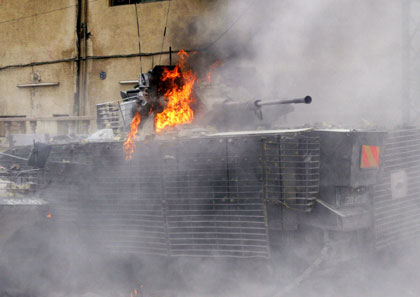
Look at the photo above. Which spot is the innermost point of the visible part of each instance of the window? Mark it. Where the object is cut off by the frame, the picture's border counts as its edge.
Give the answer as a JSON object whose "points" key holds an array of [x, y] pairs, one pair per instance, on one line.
{"points": [[125, 2]]}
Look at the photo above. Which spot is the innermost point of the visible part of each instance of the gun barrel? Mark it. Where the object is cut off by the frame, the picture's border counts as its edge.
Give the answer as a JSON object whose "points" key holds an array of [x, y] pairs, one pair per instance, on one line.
{"points": [[306, 100]]}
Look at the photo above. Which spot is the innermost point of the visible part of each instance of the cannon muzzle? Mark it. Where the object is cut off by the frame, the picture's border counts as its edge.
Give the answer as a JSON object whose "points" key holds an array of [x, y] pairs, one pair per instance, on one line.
{"points": [[306, 100]]}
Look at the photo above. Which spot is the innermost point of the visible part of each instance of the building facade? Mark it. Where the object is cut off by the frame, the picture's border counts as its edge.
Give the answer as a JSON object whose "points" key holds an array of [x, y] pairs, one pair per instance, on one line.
{"points": [[58, 58]]}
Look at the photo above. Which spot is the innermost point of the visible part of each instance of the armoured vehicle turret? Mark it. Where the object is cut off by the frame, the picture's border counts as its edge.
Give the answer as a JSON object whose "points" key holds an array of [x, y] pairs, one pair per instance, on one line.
{"points": [[148, 98]]}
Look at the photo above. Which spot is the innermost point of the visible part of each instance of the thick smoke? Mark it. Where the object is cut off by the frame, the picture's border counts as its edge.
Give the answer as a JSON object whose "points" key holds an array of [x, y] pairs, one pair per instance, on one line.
{"points": [[345, 54]]}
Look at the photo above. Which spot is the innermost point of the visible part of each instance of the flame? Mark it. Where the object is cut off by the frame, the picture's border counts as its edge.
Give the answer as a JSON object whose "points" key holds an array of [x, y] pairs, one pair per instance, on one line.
{"points": [[129, 144], [178, 110], [212, 68], [136, 292], [49, 216]]}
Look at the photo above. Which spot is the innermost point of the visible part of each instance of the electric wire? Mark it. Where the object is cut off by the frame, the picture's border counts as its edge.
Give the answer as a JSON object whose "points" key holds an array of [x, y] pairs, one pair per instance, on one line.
{"points": [[89, 58], [140, 54], [138, 35], [41, 13], [37, 14], [210, 45], [164, 31]]}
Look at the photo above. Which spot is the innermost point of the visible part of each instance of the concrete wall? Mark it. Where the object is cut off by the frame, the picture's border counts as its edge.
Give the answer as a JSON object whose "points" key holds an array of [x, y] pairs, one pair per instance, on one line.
{"points": [[45, 30], [114, 32], [33, 31], [36, 30]]}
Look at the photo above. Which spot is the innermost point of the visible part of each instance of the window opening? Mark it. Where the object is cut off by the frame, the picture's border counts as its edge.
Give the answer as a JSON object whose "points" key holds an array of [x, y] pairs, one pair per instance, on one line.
{"points": [[126, 2]]}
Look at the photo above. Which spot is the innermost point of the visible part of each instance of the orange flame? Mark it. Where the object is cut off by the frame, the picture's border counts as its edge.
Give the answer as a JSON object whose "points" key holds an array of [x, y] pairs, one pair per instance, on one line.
{"points": [[212, 68], [135, 292], [129, 144], [178, 110]]}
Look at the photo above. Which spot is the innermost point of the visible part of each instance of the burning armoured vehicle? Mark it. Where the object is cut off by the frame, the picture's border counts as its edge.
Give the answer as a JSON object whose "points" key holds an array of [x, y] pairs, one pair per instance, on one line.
{"points": [[230, 192]]}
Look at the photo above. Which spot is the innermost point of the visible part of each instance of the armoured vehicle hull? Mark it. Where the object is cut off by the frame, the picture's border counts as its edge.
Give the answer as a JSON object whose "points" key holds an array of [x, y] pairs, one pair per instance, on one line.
{"points": [[244, 196], [235, 194]]}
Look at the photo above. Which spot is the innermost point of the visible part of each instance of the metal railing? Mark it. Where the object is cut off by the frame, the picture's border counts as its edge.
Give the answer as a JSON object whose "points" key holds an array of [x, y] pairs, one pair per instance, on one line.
{"points": [[397, 194], [75, 123], [200, 197], [115, 115]]}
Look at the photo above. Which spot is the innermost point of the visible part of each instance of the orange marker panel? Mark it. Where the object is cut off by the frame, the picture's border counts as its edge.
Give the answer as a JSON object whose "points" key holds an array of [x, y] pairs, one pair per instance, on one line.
{"points": [[370, 156]]}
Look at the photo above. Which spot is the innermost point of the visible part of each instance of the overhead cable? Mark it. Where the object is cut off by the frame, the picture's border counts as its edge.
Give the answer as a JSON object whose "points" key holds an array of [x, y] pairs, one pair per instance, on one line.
{"points": [[89, 58], [138, 35], [250, 4], [41, 13], [165, 29]]}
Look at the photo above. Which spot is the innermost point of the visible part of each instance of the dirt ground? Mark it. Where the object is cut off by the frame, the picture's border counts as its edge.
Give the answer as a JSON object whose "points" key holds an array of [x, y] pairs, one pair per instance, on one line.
{"points": [[391, 273]]}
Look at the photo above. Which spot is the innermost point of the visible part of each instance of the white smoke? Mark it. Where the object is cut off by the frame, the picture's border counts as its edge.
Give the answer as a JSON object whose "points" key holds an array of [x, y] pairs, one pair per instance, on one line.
{"points": [[346, 54]]}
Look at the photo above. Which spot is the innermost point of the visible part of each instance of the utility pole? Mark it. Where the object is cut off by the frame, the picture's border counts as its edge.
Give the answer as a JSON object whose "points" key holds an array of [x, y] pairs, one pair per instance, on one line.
{"points": [[83, 54], [410, 20], [82, 36], [79, 107]]}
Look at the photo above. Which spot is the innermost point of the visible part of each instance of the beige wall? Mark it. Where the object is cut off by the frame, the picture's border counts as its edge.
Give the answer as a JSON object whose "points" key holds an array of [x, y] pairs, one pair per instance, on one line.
{"points": [[33, 31], [41, 101], [51, 35], [30, 38], [114, 31]]}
